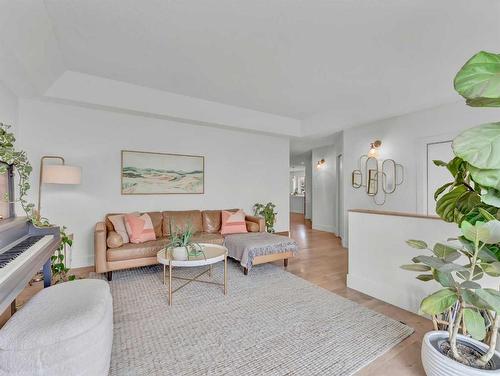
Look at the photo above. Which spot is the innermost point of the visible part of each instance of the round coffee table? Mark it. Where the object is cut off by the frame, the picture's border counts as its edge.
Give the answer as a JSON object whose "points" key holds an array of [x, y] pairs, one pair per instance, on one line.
{"points": [[213, 254]]}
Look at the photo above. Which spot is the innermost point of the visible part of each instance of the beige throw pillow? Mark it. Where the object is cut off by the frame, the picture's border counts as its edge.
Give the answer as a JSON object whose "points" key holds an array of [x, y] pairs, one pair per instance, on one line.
{"points": [[119, 225], [114, 240]]}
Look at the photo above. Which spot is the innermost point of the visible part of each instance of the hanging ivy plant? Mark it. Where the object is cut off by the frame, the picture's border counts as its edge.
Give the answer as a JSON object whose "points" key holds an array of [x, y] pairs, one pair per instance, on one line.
{"points": [[19, 160]]}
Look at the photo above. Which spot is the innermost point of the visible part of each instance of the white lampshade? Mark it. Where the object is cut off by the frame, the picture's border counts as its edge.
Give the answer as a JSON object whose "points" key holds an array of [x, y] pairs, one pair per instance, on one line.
{"points": [[62, 174]]}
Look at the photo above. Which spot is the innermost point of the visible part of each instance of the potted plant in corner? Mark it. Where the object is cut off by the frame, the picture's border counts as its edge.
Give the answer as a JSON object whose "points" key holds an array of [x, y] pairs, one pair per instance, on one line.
{"points": [[267, 212], [463, 266]]}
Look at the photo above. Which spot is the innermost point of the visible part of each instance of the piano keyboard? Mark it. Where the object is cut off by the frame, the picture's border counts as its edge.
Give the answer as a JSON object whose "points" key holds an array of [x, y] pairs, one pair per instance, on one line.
{"points": [[18, 249], [21, 253]]}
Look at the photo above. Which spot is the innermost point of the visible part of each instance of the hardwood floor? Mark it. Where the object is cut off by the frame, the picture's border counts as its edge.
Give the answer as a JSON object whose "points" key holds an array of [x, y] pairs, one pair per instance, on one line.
{"points": [[323, 261]]}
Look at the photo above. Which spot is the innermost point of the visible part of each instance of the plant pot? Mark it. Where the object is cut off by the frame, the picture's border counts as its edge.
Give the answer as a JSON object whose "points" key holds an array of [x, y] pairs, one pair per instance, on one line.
{"points": [[179, 253], [437, 364]]}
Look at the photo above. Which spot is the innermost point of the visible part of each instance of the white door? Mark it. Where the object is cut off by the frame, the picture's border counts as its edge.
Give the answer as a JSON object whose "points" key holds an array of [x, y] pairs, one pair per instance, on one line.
{"points": [[437, 176]]}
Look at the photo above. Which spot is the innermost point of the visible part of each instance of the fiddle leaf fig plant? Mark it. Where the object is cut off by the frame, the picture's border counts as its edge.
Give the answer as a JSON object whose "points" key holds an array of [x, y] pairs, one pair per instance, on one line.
{"points": [[479, 80], [472, 200], [460, 283]]}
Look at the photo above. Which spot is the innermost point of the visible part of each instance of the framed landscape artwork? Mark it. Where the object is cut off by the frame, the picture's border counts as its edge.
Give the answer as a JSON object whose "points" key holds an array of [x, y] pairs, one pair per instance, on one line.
{"points": [[146, 173]]}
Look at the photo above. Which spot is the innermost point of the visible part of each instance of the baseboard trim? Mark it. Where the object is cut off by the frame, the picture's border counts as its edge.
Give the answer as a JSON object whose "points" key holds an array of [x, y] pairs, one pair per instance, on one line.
{"points": [[384, 292], [324, 228]]}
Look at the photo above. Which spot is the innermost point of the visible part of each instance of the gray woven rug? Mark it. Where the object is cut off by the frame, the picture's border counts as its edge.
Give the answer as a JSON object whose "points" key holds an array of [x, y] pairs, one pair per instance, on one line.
{"points": [[270, 323]]}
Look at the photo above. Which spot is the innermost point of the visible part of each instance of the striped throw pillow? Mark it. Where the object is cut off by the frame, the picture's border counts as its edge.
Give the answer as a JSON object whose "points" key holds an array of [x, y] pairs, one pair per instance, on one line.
{"points": [[139, 229], [233, 222]]}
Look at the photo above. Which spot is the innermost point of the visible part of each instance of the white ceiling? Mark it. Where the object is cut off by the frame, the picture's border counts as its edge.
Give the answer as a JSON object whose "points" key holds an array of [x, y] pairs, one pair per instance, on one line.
{"points": [[332, 64], [357, 60]]}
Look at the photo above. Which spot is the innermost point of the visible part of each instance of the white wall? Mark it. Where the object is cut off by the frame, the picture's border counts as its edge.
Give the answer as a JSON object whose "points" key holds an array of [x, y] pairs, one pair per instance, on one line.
{"points": [[309, 195], [324, 189], [240, 168], [377, 249], [403, 139], [8, 106], [324, 185]]}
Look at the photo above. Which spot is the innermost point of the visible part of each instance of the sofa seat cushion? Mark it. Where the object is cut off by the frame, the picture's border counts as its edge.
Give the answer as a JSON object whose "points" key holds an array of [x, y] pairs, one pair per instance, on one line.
{"points": [[204, 237], [134, 251]]}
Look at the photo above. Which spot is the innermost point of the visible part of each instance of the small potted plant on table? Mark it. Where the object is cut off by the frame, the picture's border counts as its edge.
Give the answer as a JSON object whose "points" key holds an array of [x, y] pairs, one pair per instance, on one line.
{"points": [[181, 245]]}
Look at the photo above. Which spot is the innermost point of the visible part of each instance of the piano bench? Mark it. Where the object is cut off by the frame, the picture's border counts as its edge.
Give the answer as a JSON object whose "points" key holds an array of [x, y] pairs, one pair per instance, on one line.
{"points": [[66, 329]]}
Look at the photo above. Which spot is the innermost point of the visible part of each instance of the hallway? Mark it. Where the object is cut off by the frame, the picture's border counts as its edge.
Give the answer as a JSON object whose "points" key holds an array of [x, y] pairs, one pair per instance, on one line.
{"points": [[323, 261]]}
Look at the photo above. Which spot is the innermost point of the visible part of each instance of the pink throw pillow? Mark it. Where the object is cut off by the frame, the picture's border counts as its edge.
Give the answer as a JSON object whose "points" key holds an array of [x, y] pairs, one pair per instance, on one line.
{"points": [[139, 229], [233, 223]]}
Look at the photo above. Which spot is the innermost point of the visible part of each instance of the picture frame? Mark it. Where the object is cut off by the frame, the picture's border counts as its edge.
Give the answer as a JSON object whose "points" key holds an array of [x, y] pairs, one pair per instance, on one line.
{"points": [[156, 173]]}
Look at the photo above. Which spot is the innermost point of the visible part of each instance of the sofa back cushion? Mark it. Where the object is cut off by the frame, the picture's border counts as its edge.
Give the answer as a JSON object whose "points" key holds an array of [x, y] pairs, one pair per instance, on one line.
{"points": [[181, 219], [157, 220], [211, 221]]}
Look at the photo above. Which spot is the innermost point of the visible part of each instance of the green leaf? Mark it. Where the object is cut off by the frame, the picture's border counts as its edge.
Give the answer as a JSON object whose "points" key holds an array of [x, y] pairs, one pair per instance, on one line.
{"points": [[465, 274], [441, 190], [470, 285], [474, 323], [478, 81], [479, 146], [444, 279], [473, 299], [425, 277], [431, 261], [473, 232], [486, 214], [493, 228], [439, 163], [491, 197], [416, 267], [487, 178], [454, 166], [492, 269], [449, 267], [439, 302], [445, 206], [418, 244], [486, 255], [491, 299], [468, 201], [439, 264], [445, 252]]}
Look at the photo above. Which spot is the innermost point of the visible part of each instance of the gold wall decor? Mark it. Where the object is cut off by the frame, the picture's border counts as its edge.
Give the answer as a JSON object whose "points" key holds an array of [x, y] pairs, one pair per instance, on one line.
{"points": [[379, 177]]}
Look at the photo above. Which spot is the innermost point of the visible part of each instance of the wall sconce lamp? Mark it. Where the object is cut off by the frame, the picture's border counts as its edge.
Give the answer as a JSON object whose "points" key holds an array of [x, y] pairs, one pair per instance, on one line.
{"points": [[56, 174], [374, 149], [321, 163], [379, 177]]}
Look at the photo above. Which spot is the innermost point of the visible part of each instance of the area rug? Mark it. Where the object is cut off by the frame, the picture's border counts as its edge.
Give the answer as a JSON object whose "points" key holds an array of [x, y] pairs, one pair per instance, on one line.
{"points": [[270, 323]]}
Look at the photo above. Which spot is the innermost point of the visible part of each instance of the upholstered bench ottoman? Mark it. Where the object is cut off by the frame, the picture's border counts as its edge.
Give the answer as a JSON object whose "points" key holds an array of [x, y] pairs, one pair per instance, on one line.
{"points": [[66, 329], [255, 248]]}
